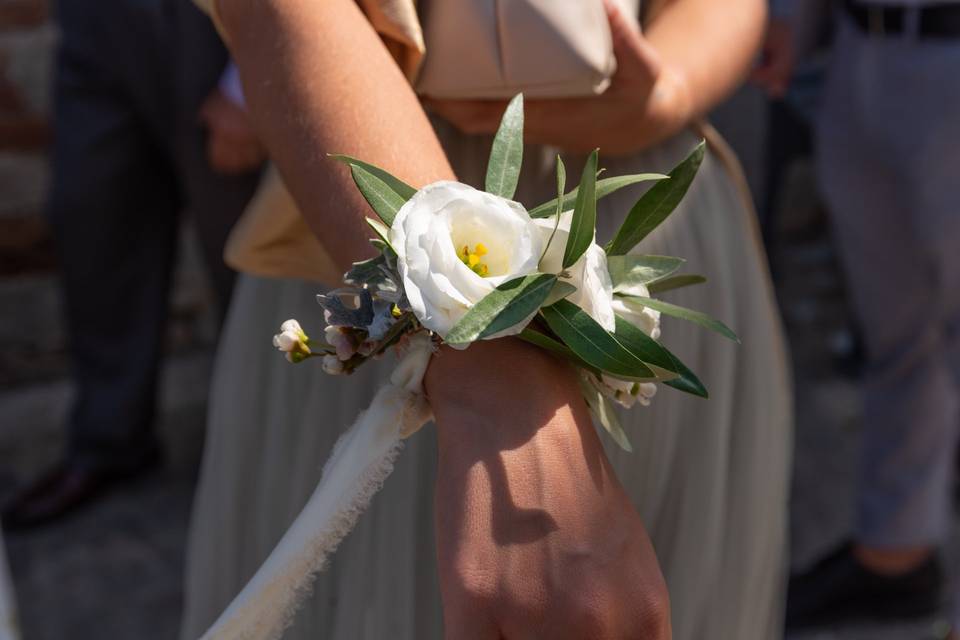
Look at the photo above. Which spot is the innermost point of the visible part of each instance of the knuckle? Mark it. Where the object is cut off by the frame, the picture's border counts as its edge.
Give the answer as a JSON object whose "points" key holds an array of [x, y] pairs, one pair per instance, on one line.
{"points": [[475, 585]]}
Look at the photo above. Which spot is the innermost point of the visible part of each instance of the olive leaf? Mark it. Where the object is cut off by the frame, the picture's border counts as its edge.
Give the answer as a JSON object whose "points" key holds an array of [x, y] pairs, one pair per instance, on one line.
{"points": [[592, 343], [381, 230], [506, 306], [561, 182], [605, 187], [381, 198], [584, 222], [560, 291], [697, 317], [506, 155], [656, 205], [398, 186], [547, 343], [628, 271], [658, 357], [676, 282]]}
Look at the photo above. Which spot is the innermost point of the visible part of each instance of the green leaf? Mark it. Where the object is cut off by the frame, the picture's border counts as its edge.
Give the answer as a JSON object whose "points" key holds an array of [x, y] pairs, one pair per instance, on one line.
{"points": [[399, 187], [561, 183], [602, 409], [655, 205], [686, 384], [560, 291], [659, 357], [557, 348], [605, 187], [676, 282], [381, 230], [584, 222], [380, 245], [378, 195], [504, 307], [626, 271], [592, 343], [506, 156], [697, 317]]}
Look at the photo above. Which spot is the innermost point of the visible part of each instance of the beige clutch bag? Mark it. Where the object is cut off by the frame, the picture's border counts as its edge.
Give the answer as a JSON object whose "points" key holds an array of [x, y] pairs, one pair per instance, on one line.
{"points": [[498, 48], [474, 49]]}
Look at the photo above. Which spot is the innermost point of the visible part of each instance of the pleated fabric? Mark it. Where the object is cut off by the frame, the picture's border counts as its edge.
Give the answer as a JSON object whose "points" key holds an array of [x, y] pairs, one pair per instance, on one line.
{"points": [[710, 477]]}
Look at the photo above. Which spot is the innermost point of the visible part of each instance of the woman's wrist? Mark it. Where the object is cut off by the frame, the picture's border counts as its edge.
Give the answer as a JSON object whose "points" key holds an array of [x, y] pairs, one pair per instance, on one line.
{"points": [[669, 108], [495, 386]]}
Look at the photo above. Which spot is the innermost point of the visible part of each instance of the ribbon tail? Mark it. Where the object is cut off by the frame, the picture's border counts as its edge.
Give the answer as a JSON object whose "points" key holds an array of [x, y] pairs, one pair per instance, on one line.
{"points": [[360, 462]]}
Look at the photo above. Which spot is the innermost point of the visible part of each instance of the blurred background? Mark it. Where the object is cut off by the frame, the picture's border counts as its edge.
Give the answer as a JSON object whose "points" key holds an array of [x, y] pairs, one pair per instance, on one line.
{"points": [[114, 569]]}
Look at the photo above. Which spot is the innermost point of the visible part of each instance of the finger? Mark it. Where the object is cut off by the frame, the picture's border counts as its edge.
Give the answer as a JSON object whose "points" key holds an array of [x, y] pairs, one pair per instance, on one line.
{"points": [[224, 158], [635, 56]]}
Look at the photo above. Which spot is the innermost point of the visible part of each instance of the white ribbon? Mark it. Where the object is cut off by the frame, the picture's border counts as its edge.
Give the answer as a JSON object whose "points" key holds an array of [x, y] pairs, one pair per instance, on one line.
{"points": [[361, 460]]}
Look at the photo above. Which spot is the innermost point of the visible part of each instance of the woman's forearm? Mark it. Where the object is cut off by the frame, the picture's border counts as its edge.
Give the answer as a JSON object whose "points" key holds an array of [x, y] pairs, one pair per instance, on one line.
{"points": [[706, 47], [319, 80]]}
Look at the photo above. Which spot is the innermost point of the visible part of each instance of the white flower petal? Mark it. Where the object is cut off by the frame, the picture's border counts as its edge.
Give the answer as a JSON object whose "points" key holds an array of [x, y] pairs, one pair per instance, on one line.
{"points": [[291, 325], [427, 233]]}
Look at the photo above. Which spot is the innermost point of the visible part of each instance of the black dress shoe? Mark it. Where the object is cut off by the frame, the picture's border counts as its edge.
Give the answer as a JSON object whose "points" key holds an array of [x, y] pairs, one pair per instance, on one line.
{"points": [[840, 589], [64, 488]]}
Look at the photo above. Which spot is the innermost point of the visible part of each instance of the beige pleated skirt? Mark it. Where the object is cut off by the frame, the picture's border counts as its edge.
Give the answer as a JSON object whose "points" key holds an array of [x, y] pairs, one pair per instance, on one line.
{"points": [[710, 477]]}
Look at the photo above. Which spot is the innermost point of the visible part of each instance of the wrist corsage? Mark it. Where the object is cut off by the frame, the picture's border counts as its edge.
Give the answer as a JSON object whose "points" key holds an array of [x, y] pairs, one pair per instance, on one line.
{"points": [[456, 265]]}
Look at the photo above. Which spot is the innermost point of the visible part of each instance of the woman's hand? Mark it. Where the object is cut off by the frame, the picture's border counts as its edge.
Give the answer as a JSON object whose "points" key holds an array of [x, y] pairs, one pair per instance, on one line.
{"points": [[779, 57], [644, 104], [232, 144], [536, 538]]}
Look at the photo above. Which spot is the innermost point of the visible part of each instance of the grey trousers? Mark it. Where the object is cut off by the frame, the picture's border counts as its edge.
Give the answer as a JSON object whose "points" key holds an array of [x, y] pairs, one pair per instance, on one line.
{"points": [[889, 165], [128, 157]]}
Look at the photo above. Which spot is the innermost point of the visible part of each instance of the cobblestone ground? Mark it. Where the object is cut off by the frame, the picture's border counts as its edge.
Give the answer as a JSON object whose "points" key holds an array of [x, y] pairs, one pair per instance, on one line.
{"points": [[114, 571]]}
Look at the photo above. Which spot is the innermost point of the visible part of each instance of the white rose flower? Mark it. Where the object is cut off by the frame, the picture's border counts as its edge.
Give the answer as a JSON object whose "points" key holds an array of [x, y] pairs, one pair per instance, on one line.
{"points": [[455, 244], [644, 318], [589, 274]]}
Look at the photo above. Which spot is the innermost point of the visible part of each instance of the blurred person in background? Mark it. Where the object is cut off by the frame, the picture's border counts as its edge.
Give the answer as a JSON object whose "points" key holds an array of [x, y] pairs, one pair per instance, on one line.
{"points": [[792, 70], [794, 87], [136, 87], [888, 158]]}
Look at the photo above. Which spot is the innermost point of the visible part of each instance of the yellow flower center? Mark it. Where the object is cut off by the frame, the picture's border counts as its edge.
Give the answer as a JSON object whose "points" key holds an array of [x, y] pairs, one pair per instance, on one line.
{"points": [[472, 258]]}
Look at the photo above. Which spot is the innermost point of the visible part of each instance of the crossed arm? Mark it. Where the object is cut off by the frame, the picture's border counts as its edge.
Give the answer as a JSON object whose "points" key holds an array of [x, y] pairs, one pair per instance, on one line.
{"points": [[536, 537]]}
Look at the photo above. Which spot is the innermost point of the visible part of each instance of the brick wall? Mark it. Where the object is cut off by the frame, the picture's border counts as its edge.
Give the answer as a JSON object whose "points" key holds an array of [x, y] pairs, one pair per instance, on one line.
{"points": [[27, 42]]}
